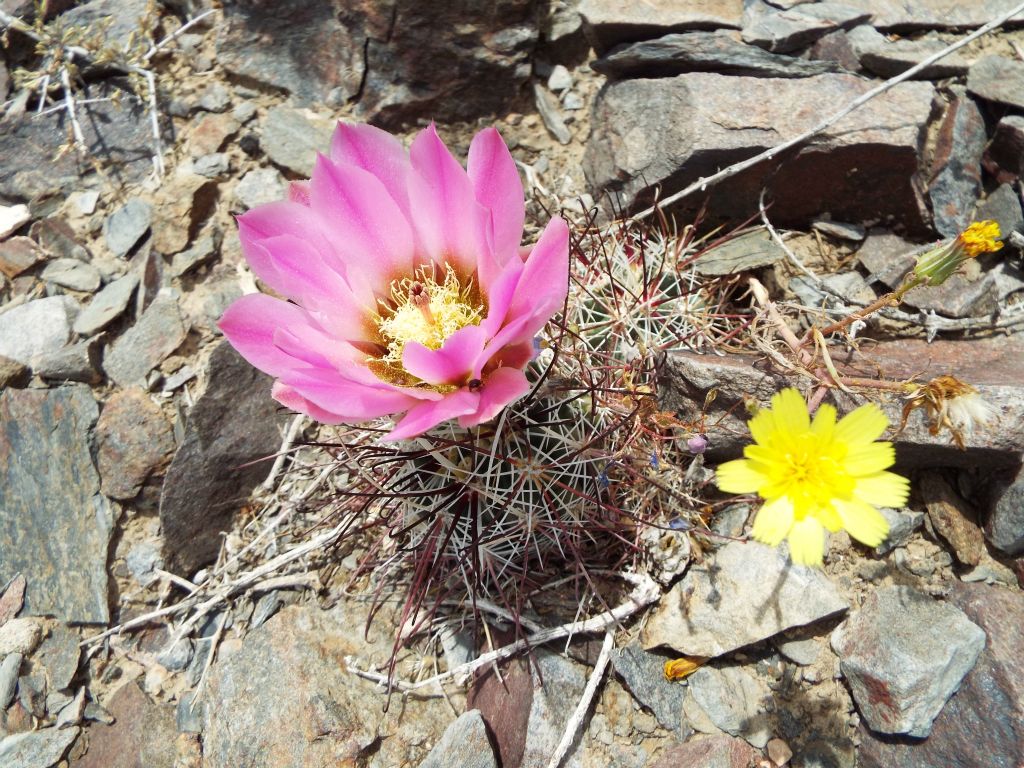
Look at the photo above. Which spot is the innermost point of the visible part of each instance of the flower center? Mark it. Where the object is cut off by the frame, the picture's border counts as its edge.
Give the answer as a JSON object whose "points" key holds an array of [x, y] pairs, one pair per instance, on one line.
{"points": [[813, 477], [426, 311]]}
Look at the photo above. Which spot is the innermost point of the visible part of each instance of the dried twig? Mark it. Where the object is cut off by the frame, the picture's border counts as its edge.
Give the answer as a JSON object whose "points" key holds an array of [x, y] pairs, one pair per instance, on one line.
{"points": [[282, 454], [579, 715], [794, 259]]}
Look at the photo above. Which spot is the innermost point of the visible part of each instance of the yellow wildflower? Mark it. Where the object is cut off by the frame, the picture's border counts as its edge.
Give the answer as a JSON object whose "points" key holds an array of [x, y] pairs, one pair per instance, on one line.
{"points": [[682, 668], [935, 266], [816, 475]]}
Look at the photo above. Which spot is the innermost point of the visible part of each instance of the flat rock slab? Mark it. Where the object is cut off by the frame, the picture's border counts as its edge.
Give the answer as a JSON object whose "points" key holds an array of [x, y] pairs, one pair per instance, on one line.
{"points": [[1004, 527], [37, 327], [667, 133], [234, 422], [904, 654], [992, 365], [293, 138], [142, 734], [55, 526], [955, 180], [643, 674], [997, 79], [157, 333], [616, 21], [133, 439], [789, 29], [712, 752], [720, 51], [904, 15], [888, 58], [463, 745], [983, 724], [745, 593], [106, 305], [734, 701], [36, 749]]}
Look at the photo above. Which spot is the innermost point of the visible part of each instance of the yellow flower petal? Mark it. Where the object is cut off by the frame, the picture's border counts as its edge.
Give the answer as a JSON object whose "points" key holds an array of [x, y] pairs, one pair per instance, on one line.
{"points": [[773, 522], [864, 460], [679, 669], [807, 542], [824, 421], [861, 426], [762, 427], [739, 476], [862, 521], [886, 489], [790, 411], [829, 518]]}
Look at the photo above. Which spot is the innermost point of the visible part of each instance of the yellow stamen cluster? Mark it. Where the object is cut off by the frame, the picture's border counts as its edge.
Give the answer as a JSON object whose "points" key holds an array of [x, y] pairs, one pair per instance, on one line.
{"points": [[981, 237], [424, 310], [935, 266]]}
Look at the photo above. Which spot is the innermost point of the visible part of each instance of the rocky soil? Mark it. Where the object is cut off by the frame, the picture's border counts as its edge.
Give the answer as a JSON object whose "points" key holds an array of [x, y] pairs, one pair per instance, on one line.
{"points": [[134, 441]]}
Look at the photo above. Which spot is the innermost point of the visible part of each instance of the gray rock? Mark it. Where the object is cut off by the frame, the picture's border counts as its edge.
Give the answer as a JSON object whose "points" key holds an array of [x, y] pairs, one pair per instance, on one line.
{"points": [[59, 654], [212, 166], [840, 230], [563, 682], [793, 28], [106, 305], [1005, 526], [233, 423], [56, 237], [836, 48], [20, 635], [703, 52], [259, 186], [560, 79], [300, 655], [244, 112], [1002, 206], [804, 651], [53, 487], [956, 168], [551, 115], [266, 607], [10, 668], [1005, 153], [463, 745], [126, 226], [189, 716], [902, 524], [888, 257], [905, 15], [37, 327], [746, 592], [133, 443], [115, 21], [13, 217], [744, 252], [176, 657], [216, 98], [73, 711], [719, 751], [19, 254], [615, 21], [663, 134], [643, 674], [983, 724], [77, 362], [997, 79], [37, 749], [958, 296], [204, 249], [142, 347], [72, 273], [904, 654], [734, 701], [142, 560], [142, 733], [292, 140], [888, 58]]}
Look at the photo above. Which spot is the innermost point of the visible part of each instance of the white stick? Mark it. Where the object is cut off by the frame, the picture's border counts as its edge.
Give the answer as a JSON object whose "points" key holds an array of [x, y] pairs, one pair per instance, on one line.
{"points": [[282, 454], [576, 721]]}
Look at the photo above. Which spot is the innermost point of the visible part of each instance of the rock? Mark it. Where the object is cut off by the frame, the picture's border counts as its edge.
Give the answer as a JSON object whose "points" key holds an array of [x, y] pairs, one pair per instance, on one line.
{"points": [[12, 599], [117, 137], [299, 655], [904, 654], [551, 115], [667, 133], [13, 373], [142, 560], [956, 168], [142, 734], [1005, 153], [72, 713], [997, 79], [951, 518], [560, 79], [73, 274], [888, 58], [56, 237], [802, 651], [84, 202], [991, 365], [10, 667], [616, 21], [888, 257], [983, 724], [233, 423], [77, 362], [116, 22], [18, 255], [259, 186], [20, 636], [902, 524], [744, 252], [712, 752], [37, 749], [53, 486], [177, 656], [59, 655], [204, 249], [182, 205], [143, 346], [212, 166], [793, 28], [906, 15], [216, 98], [126, 226], [1005, 526], [703, 52], [292, 139], [840, 230], [734, 701], [106, 305], [133, 440], [463, 745], [643, 674], [36, 328], [1002, 206], [746, 592], [210, 134], [12, 218], [836, 48]]}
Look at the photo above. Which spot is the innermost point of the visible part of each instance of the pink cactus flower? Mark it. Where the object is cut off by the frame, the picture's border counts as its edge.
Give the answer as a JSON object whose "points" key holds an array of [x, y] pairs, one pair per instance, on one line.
{"points": [[407, 289]]}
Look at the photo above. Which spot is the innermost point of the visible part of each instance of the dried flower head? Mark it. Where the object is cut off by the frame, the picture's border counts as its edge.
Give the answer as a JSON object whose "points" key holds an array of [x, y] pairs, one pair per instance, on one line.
{"points": [[816, 475], [952, 404], [936, 266], [407, 289]]}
